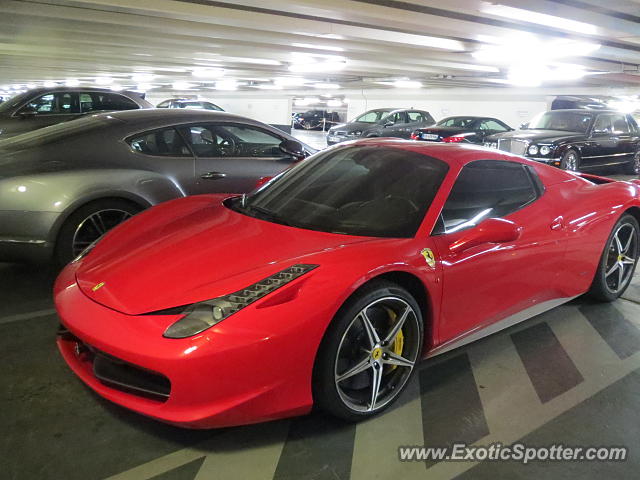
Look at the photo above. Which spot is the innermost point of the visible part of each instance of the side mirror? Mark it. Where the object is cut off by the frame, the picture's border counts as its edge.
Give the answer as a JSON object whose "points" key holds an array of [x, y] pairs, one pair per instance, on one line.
{"points": [[293, 148], [492, 230]]}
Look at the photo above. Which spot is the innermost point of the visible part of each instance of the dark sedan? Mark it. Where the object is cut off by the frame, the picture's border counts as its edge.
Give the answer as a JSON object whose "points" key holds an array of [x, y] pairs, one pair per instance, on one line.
{"points": [[42, 107], [64, 186], [461, 130], [576, 140], [381, 122]]}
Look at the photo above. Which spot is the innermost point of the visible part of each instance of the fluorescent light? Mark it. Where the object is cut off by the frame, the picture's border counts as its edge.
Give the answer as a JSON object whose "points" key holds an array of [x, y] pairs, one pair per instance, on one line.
{"points": [[116, 87], [327, 86], [304, 62], [104, 80], [143, 87], [142, 77], [268, 86], [538, 18], [318, 47], [334, 103], [30, 86], [208, 72], [72, 82], [257, 61], [407, 84], [513, 50], [50, 84], [289, 81], [180, 85], [532, 75], [226, 85]]}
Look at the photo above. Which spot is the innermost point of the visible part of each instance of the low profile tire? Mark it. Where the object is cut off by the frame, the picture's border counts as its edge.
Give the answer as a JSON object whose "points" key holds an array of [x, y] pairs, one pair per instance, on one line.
{"points": [[633, 167], [618, 261], [88, 223], [570, 160], [369, 352]]}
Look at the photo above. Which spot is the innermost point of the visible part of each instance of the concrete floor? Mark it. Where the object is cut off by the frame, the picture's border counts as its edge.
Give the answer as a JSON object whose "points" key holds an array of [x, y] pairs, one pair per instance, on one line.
{"points": [[569, 376], [313, 138]]}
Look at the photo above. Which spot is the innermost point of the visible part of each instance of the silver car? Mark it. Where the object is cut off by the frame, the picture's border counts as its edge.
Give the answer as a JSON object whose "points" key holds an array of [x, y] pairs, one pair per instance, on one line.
{"points": [[62, 187]]}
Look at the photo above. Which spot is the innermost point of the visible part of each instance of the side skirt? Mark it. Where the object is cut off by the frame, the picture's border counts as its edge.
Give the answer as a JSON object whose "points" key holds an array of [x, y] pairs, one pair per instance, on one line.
{"points": [[481, 332]]}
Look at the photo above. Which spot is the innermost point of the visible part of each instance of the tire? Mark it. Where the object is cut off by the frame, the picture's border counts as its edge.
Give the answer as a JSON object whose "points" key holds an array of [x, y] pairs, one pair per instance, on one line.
{"points": [[570, 160], [633, 167], [347, 348], [614, 273], [89, 223]]}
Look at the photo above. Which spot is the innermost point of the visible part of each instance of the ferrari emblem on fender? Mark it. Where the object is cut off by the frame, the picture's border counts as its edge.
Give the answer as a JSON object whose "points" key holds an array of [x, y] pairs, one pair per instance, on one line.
{"points": [[98, 286], [429, 257]]}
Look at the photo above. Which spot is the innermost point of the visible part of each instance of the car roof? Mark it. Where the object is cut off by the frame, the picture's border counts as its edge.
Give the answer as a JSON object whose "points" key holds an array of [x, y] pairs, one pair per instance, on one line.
{"points": [[153, 115], [37, 91], [586, 110]]}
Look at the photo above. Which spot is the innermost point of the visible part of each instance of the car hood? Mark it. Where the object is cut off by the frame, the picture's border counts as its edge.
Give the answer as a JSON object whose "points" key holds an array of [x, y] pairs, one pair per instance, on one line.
{"points": [[190, 250], [532, 136]]}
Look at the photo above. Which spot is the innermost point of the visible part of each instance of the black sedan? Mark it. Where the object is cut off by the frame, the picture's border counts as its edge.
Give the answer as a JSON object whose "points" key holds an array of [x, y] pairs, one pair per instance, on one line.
{"points": [[576, 140], [461, 130]]}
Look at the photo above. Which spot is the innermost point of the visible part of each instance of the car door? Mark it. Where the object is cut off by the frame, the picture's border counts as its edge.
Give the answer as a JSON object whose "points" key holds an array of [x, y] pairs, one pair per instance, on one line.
{"points": [[395, 125], [164, 151], [611, 141], [48, 109], [232, 157], [488, 282], [415, 120]]}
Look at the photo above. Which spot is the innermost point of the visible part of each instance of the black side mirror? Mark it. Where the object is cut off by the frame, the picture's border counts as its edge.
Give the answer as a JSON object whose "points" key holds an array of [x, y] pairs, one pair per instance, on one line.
{"points": [[293, 148]]}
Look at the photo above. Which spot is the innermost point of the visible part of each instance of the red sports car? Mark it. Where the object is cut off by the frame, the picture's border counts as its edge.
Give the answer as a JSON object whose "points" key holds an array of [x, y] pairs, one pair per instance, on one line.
{"points": [[327, 284]]}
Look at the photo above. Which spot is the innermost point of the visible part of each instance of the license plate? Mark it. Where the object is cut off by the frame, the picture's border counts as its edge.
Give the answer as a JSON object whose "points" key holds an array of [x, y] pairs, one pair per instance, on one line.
{"points": [[429, 136]]}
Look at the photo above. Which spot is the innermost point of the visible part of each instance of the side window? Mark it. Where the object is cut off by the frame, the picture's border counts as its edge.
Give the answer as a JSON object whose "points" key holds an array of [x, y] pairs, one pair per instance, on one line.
{"points": [[415, 117], [492, 126], [487, 189], [611, 123], [114, 101], [52, 104], [165, 143], [396, 118], [86, 103], [619, 124], [250, 141], [164, 104]]}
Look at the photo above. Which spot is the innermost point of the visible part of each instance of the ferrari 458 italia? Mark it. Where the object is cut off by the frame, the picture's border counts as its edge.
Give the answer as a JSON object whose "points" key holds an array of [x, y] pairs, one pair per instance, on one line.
{"points": [[328, 283]]}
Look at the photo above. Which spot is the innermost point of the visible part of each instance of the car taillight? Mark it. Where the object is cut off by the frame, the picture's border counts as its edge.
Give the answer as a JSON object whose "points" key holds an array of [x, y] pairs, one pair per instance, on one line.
{"points": [[453, 139], [414, 136]]}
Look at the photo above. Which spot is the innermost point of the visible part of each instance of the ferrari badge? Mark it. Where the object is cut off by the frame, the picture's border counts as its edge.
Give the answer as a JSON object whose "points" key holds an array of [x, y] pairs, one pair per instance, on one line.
{"points": [[429, 257]]}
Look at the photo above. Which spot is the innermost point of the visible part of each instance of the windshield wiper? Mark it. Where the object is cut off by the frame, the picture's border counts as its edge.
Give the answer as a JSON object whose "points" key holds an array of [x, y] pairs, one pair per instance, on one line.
{"points": [[267, 215]]}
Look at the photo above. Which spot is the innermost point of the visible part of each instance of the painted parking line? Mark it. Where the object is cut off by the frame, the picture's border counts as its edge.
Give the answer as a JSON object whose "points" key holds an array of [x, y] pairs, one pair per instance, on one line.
{"points": [[27, 316], [622, 336]]}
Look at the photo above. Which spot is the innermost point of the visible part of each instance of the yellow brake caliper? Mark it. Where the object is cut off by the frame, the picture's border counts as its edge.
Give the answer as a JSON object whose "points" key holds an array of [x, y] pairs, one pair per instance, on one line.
{"points": [[398, 343]]}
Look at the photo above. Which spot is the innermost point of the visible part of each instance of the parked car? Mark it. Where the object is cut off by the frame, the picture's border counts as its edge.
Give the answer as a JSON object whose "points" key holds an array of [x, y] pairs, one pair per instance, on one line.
{"points": [[381, 122], [191, 104], [315, 120], [42, 107], [572, 102], [576, 140], [64, 186], [325, 287], [461, 130]]}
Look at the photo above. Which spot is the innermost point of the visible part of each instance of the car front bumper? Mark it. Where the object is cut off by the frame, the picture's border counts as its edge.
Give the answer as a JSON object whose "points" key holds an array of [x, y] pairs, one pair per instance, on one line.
{"points": [[254, 366]]}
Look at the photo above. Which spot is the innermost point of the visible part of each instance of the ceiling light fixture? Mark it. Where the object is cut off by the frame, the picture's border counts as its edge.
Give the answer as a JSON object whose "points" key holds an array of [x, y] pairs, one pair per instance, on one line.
{"points": [[327, 86], [529, 16], [181, 85], [104, 80], [50, 84], [289, 81], [407, 84], [72, 82], [142, 77], [208, 72], [329, 48]]}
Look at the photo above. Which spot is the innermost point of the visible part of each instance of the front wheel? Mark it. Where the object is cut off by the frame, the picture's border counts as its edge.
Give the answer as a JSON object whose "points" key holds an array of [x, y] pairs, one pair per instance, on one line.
{"points": [[570, 161], [88, 224], [618, 261], [369, 352]]}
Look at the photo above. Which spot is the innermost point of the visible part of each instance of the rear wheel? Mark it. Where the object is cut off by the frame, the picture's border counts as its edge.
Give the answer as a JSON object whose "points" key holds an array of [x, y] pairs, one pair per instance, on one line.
{"points": [[88, 224], [618, 261], [570, 161], [369, 352]]}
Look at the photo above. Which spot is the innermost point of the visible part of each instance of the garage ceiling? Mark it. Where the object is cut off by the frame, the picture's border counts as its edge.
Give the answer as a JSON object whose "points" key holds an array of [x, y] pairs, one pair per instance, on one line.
{"points": [[152, 44]]}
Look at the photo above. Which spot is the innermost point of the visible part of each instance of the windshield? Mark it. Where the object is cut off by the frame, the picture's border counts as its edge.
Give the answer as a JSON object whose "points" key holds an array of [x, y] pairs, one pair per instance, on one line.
{"points": [[12, 102], [56, 132], [358, 190], [460, 122], [559, 120], [372, 116]]}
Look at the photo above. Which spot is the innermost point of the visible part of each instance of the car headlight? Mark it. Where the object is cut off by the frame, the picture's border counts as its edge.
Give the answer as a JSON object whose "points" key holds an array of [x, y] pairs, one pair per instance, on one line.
{"points": [[533, 150], [355, 133], [545, 150], [203, 315]]}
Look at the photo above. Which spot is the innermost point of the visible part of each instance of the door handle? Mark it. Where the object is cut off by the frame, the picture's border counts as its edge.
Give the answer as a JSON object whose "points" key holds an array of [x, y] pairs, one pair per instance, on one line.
{"points": [[557, 223], [213, 175]]}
